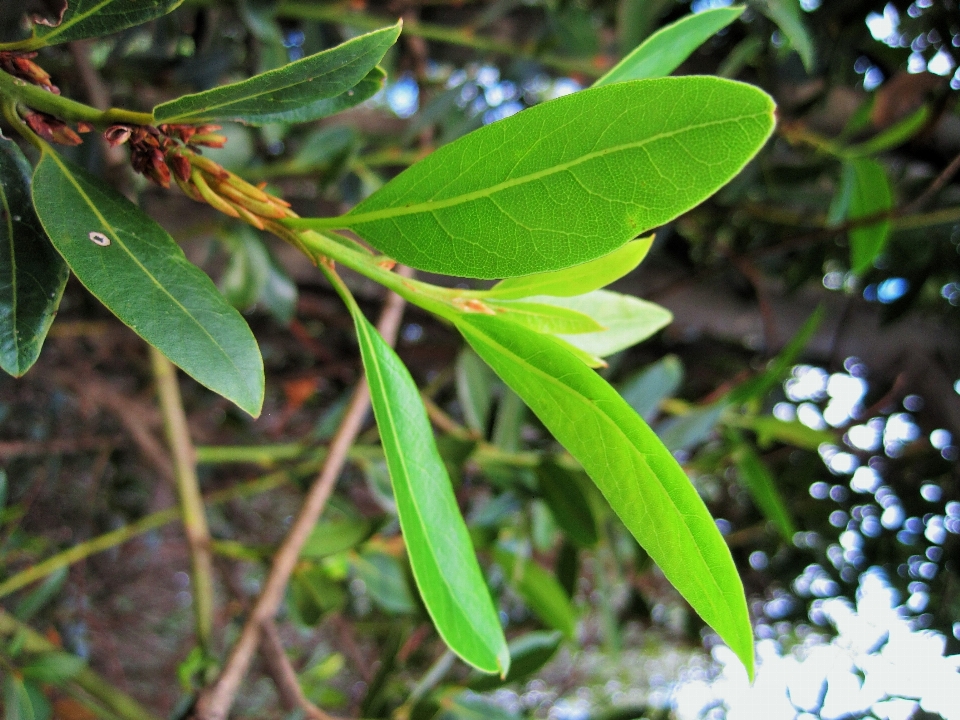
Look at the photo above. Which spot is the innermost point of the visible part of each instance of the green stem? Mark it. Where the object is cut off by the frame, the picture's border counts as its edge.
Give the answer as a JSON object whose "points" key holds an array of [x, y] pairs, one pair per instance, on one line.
{"points": [[114, 700], [188, 490], [340, 13], [36, 98], [144, 525]]}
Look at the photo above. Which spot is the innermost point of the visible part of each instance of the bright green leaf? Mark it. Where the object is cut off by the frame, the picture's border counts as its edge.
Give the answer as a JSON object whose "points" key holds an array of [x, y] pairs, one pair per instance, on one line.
{"points": [[666, 49], [438, 544], [896, 134], [575, 280], [652, 385], [546, 318], [32, 274], [567, 181], [142, 276], [759, 482], [301, 91], [95, 18], [869, 195], [628, 320], [788, 17], [639, 477], [540, 591], [563, 494]]}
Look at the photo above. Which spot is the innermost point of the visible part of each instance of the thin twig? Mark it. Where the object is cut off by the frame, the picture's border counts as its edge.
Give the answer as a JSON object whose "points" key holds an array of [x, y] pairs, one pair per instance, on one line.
{"points": [[215, 702], [188, 490], [938, 182], [284, 676]]}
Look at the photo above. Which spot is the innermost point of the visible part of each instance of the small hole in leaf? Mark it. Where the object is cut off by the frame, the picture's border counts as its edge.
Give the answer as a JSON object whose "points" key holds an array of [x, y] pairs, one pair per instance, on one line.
{"points": [[99, 238]]}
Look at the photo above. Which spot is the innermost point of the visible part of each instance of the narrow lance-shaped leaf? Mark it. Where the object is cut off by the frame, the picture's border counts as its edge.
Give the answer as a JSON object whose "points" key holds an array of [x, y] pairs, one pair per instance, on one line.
{"points": [[575, 280], [869, 195], [666, 49], [626, 320], [32, 274], [567, 181], [759, 482], [438, 543], [640, 479], [304, 90], [788, 17], [94, 18], [141, 275]]}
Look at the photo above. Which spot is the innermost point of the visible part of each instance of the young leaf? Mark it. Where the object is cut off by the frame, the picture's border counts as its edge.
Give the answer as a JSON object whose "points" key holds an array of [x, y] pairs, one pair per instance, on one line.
{"points": [[628, 320], [32, 274], [94, 18], [575, 280], [301, 91], [567, 181], [546, 318], [539, 590], [869, 195], [142, 276], [666, 49], [639, 477], [438, 544], [762, 487]]}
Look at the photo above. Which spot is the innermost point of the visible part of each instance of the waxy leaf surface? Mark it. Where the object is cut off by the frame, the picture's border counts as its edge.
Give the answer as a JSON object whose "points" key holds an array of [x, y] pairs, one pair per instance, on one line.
{"points": [[575, 280], [32, 274], [639, 477], [666, 49], [567, 181], [141, 275], [307, 89], [627, 320], [438, 544], [93, 18]]}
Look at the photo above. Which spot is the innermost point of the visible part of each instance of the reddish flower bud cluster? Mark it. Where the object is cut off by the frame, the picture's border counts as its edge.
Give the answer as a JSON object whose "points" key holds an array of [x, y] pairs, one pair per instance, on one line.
{"points": [[53, 129], [154, 150], [21, 66]]}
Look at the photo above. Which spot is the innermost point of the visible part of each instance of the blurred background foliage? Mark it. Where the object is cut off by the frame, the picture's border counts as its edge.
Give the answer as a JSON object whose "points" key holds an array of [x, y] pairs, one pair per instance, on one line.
{"points": [[809, 382]]}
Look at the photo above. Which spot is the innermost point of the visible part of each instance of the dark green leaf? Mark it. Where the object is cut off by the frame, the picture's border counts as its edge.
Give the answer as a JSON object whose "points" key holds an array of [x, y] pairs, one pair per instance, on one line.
{"points": [[474, 390], [788, 17], [759, 482], [627, 320], [304, 90], [540, 591], [54, 667], [252, 276], [94, 18], [333, 536], [666, 49], [575, 280], [142, 276], [869, 195], [648, 388], [315, 594], [386, 582], [17, 704], [32, 274], [561, 491], [528, 653], [567, 181], [41, 595], [896, 134], [438, 544], [639, 477]]}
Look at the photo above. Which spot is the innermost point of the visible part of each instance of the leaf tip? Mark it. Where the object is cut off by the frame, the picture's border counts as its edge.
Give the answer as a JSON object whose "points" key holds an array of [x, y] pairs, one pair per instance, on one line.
{"points": [[503, 661]]}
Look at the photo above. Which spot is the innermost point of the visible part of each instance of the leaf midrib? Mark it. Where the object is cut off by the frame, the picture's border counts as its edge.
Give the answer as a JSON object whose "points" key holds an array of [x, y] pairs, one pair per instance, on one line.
{"points": [[352, 219], [361, 323], [207, 109], [142, 267], [533, 370]]}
